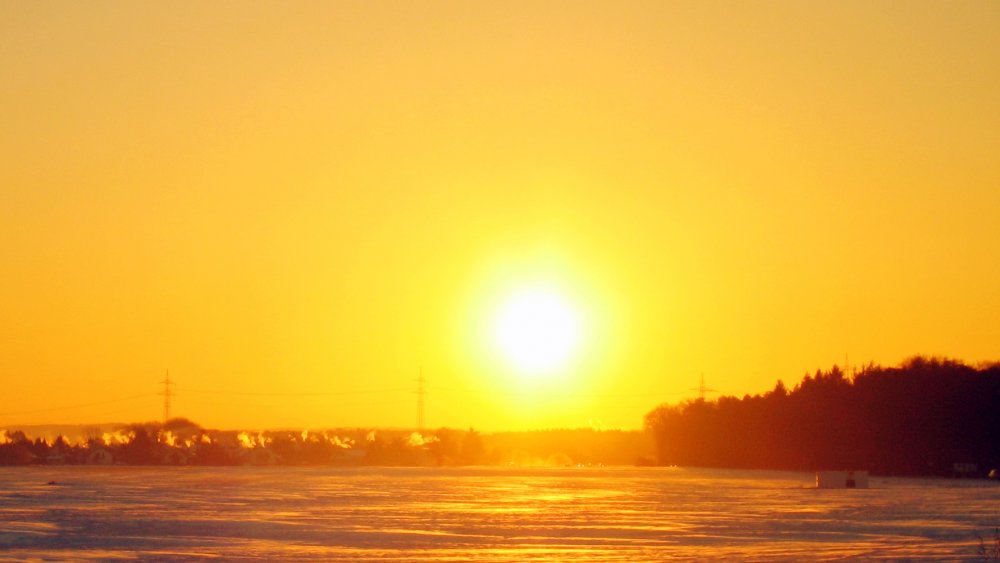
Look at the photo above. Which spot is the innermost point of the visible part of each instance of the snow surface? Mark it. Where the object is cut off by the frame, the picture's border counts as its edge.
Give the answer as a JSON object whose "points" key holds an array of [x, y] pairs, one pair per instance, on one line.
{"points": [[404, 514]]}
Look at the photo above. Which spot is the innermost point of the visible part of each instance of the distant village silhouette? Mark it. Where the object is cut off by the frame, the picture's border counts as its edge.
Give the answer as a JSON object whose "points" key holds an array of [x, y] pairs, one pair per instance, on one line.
{"points": [[926, 417]]}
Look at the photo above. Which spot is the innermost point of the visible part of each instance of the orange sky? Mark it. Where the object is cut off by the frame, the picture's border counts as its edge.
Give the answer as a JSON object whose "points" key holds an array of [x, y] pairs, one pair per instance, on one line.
{"points": [[295, 206]]}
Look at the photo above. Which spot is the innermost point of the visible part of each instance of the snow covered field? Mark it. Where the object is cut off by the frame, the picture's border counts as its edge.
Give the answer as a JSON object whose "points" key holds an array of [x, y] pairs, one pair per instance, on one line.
{"points": [[595, 514]]}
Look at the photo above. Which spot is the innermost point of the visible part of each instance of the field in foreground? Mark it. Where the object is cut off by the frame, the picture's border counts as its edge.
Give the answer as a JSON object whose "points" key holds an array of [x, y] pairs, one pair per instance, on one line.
{"points": [[595, 514]]}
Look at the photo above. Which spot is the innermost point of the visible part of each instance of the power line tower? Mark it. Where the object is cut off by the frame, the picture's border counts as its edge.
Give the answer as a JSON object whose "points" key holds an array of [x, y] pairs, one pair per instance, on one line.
{"points": [[167, 394], [421, 393], [702, 390]]}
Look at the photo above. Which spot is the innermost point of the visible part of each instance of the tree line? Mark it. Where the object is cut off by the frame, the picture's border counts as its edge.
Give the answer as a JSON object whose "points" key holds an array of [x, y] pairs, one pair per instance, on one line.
{"points": [[927, 416], [182, 442]]}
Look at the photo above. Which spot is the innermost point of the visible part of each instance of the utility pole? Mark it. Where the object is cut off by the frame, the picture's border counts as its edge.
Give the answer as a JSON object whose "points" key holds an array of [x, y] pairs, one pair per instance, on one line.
{"points": [[421, 392], [167, 393]]}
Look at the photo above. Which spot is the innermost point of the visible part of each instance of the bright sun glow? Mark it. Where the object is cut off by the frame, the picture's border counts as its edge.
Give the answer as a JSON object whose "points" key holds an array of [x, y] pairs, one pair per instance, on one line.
{"points": [[537, 331]]}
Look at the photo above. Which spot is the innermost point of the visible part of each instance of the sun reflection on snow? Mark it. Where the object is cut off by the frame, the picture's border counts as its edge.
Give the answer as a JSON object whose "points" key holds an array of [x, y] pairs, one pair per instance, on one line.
{"points": [[438, 515]]}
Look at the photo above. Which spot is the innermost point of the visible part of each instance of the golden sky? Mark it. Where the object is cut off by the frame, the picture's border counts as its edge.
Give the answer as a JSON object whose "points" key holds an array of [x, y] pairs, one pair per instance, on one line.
{"points": [[294, 207]]}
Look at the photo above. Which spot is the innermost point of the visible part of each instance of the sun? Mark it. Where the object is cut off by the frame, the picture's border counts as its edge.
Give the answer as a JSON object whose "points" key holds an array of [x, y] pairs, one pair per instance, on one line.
{"points": [[537, 331]]}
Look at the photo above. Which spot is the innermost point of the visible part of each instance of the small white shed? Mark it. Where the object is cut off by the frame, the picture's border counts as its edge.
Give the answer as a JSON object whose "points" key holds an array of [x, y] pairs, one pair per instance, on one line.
{"points": [[842, 479]]}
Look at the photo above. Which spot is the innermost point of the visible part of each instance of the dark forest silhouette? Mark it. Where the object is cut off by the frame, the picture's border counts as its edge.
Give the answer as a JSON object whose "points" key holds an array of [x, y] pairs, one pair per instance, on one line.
{"points": [[927, 416]]}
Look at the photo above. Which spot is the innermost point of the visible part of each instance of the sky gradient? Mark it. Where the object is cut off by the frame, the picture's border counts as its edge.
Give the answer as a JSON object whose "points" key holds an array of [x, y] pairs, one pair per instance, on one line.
{"points": [[296, 207]]}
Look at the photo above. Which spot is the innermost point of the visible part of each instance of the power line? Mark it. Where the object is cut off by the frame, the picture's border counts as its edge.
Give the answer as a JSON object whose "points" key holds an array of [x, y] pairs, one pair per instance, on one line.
{"points": [[534, 394], [294, 394], [106, 414], [80, 406]]}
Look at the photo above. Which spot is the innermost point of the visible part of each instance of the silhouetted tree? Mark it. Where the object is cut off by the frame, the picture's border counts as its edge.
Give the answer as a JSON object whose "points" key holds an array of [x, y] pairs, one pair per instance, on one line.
{"points": [[917, 419], [473, 449]]}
